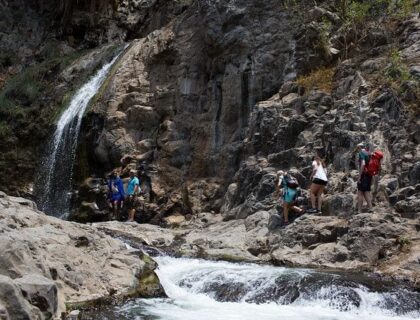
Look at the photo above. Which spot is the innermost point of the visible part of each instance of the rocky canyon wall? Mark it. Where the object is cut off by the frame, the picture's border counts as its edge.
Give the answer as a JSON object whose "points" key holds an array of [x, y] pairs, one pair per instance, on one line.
{"points": [[215, 96], [206, 101]]}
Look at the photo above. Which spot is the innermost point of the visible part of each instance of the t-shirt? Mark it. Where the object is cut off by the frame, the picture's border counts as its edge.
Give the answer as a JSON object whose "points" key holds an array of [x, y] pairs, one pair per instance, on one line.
{"points": [[116, 187], [363, 156], [132, 185], [320, 171]]}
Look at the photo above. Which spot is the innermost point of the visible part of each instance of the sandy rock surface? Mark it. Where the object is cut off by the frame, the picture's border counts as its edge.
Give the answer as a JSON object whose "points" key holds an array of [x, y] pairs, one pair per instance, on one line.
{"points": [[56, 262]]}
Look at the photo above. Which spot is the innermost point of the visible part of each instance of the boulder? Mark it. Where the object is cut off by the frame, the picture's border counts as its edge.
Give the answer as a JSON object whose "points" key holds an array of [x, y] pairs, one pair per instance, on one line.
{"points": [[40, 292], [329, 253], [56, 262], [338, 205], [13, 302]]}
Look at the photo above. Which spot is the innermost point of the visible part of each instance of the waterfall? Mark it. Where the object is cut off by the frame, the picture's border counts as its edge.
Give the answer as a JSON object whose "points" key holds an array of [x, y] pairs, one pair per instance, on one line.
{"points": [[208, 290], [54, 183], [289, 72]]}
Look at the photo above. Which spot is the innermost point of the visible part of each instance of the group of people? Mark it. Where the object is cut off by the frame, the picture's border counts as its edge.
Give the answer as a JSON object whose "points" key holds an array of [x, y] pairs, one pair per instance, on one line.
{"points": [[369, 168], [119, 198]]}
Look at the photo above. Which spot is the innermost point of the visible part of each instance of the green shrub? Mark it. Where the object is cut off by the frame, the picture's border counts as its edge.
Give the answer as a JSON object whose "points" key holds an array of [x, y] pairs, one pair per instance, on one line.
{"points": [[357, 12], [402, 8], [324, 37], [4, 130], [397, 69]]}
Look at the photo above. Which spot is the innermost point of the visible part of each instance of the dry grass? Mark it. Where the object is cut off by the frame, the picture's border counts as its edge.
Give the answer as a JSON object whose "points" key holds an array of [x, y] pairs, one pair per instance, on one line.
{"points": [[321, 79]]}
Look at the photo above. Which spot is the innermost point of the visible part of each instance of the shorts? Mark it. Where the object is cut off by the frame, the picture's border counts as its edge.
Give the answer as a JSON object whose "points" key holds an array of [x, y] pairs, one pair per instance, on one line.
{"points": [[132, 202], [365, 183], [289, 195], [319, 182], [116, 197]]}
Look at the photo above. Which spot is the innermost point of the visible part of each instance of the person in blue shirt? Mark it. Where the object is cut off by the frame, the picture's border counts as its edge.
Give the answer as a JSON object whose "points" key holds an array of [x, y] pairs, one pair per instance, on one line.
{"points": [[115, 193], [133, 189]]}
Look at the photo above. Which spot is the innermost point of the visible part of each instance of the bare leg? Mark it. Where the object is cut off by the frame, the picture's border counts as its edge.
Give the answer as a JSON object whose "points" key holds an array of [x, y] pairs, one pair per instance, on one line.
{"points": [[375, 185], [319, 197], [313, 195], [296, 209], [285, 212], [131, 214], [360, 197], [368, 197]]}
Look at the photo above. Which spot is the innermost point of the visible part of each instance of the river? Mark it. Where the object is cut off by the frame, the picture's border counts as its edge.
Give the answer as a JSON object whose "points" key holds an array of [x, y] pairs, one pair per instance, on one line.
{"points": [[208, 290]]}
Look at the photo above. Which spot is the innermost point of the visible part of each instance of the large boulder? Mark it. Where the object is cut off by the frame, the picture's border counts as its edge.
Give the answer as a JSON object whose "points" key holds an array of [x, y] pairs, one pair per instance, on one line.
{"points": [[56, 262], [14, 305], [40, 292]]}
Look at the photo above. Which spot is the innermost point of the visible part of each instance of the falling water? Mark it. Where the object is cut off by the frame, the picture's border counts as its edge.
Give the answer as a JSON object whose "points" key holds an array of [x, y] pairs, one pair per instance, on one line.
{"points": [[290, 68], [55, 177]]}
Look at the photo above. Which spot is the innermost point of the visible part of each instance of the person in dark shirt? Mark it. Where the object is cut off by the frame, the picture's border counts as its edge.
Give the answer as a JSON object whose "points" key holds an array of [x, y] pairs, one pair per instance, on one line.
{"points": [[364, 180]]}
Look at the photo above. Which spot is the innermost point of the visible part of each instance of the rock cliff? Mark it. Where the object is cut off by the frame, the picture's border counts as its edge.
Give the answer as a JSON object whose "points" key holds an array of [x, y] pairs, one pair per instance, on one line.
{"points": [[207, 102]]}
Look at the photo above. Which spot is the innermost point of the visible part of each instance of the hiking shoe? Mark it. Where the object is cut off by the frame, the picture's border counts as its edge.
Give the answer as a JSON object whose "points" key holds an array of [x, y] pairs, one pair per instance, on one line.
{"points": [[312, 210]]}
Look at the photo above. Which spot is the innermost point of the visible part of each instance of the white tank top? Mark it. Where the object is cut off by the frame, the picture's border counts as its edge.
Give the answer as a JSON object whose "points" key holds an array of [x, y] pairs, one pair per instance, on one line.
{"points": [[320, 173]]}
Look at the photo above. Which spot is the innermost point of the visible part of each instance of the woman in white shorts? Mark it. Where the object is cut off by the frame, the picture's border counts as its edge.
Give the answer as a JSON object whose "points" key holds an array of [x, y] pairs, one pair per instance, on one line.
{"points": [[319, 181]]}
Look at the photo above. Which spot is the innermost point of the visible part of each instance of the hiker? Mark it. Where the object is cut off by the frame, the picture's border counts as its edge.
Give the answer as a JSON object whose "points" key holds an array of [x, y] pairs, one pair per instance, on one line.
{"points": [[133, 189], [319, 181], [289, 185], [364, 180], [374, 169], [371, 170], [115, 193]]}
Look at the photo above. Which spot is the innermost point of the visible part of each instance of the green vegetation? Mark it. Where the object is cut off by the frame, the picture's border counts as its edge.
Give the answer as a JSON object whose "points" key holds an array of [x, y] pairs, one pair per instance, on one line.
{"points": [[21, 93], [397, 69], [323, 44], [4, 130], [403, 243], [356, 11]]}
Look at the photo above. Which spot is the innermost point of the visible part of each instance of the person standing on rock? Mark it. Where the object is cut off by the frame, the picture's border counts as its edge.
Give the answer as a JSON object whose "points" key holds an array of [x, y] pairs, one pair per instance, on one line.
{"points": [[364, 180], [319, 181], [133, 189], [115, 193], [289, 186]]}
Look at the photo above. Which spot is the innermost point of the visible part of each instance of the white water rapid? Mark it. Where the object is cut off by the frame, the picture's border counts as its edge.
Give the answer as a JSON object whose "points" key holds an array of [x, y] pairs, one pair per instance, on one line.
{"points": [[205, 290], [55, 177]]}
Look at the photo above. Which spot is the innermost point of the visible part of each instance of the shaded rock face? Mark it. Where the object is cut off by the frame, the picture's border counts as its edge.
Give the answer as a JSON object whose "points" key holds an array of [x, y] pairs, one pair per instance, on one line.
{"points": [[181, 98], [39, 72], [293, 125]]}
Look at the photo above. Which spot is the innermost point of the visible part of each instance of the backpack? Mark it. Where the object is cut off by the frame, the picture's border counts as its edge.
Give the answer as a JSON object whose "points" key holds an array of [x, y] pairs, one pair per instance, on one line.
{"points": [[291, 182], [374, 165]]}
